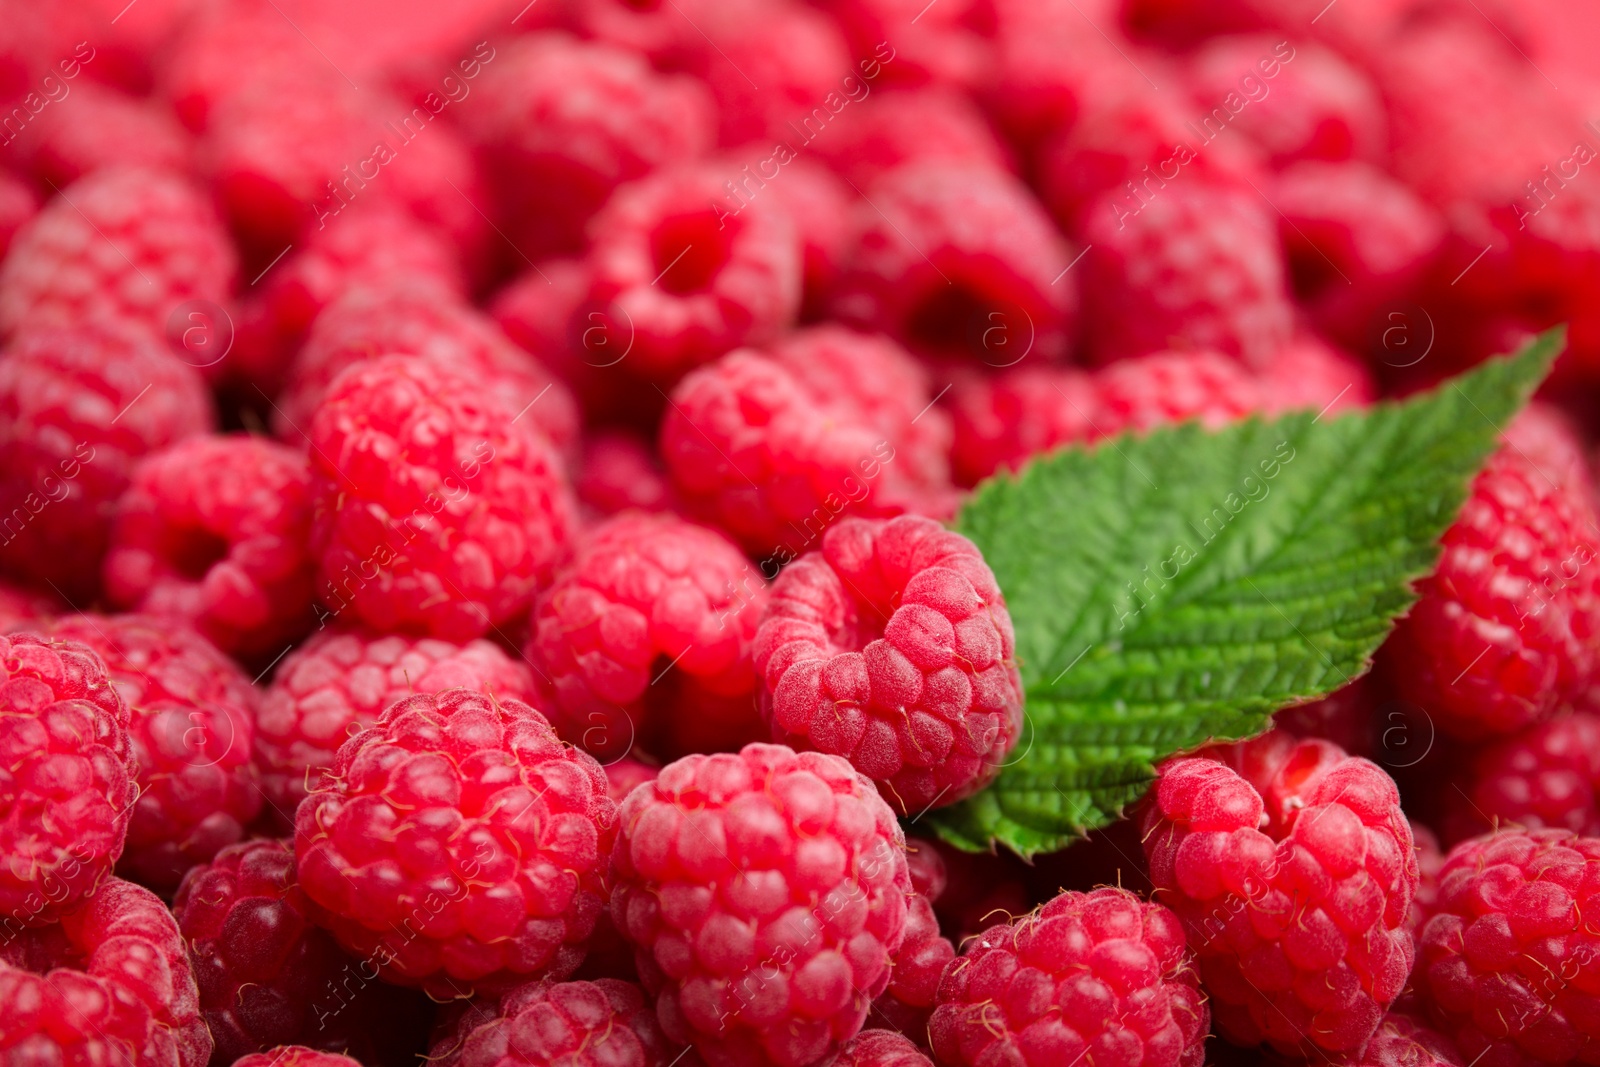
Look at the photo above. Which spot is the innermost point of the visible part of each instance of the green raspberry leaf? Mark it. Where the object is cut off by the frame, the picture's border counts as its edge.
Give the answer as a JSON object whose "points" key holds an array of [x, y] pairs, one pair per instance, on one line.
{"points": [[1177, 588]]}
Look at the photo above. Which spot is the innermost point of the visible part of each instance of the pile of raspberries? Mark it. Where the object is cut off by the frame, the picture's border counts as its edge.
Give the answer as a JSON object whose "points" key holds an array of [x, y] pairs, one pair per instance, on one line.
{"points": [[477, 576]]}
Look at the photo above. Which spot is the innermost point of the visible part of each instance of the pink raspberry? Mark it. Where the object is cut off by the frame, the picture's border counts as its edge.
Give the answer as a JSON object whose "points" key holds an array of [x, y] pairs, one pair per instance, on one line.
{"points": [[893, 127], [435, 509], [559, 124], [458, 845], [1001, 421], [780, 966], [78, 406], [1293, 873], [339, 682], [644, 596], [412, 316], [1505, 627], [960, 260], [1507, 964], [66, 777], [879, 1048], [619, 471], [892, 646], [103, 128], [295, 1056], [110, 983], [605, 1023], [907, 1004], [1167, 387], [191, 728], [1099, 978], [1196, 265], [269, 977], [124, 243], [1547, 775], [213, 530], [684, 275]]}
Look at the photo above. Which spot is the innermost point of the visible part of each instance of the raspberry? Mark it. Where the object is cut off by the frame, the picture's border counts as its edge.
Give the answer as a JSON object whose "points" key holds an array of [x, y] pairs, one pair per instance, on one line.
{"points": [[17, 206], [773, 447], [1507, 961], [684, 278], [220, 51], [109, 984], [903, 43], [1167, 387], [625, 775], [213, 530], [124, 243], [268, 976], [1405, 1041], [793, 52], [435, 511], [559, 124], [1547, 775], [645, 595], [66, 777], [103, 128], [295, 1056], [605, 1023], [960, 260], [1310, 374], [339, 682], [1544, 435], [191, 727], [1293, 873], [879, 1048], [618, 472], [1505, 626], [19, 607], [458, 845], [1002, 421], [892, 646], [812, 195], [1047, 70], [78, 405], [1195, 266], [894, 127], [1098, 978], [780, 966], [929, 873], [413, 317], [907, 1004]]}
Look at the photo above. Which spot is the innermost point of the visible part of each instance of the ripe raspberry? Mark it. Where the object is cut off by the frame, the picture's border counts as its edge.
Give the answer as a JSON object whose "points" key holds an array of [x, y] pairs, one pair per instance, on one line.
{"points": [[779, 967], [1003, 420], [339, 682], [1195, 266], [1098, 978], [1048, 71], [1505, 627], [929, 874], [1293, 873], [894, 127], [908, 1003], [625, 775], [459, 845], [1547, 775], [435, 511], [1167, 387], [66, 776], [619, 471], [1507, 964], [1310, 374], [645, 595], [1404, 1040], [411, 316], [605, 1023], [559, 124], [103, 128], [109, 984], [960, 260], [879, 1048], [1552, 442], [269, 977], [295, 1056], [213, 530], [191, 727], [78, 406], [124, 243], [684, 274], [892, 646]]}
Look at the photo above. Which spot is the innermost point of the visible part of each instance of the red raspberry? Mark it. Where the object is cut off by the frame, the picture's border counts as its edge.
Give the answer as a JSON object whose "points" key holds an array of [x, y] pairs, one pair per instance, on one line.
{"points": [[929, 873], [1548, 775], [1098, 978], [559, 124], [645, 595], [123, 243], [781, 965], [213, 530], [1293, 872], [684, 275], [109, 984], [1167, 387], [339, 682], [78, 406], [1195, 266], [411, 316], [19, 607], [1548, 438], [1003, 420], [295, 1056], [1048, 71], [773, 447], [435, 510], [66, 777], [619, 471], [1507, 964], [892, 646], [960, 260], [605, 1023], [879, 1048], [625, 775], [1505, 627], [536, 311], [17, 206], [269, 977], [893, 127], [907, 1004], [191, 728], [1403, 1040], [1310, 374], [816, 198], [459, 845], [103, 128]]}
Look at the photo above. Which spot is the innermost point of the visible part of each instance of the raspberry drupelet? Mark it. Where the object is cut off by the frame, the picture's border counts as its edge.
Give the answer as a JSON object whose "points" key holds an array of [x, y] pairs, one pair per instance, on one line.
{"points": [[604, 1023], [879, 1048], [295, 1056], [891, 645]]}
